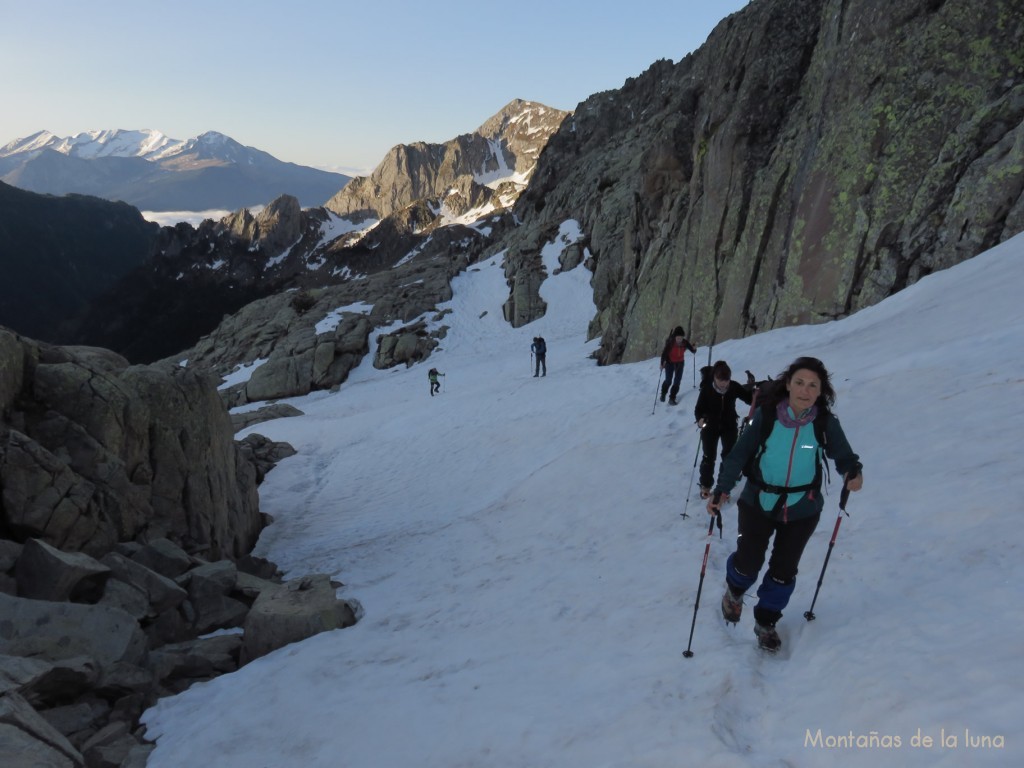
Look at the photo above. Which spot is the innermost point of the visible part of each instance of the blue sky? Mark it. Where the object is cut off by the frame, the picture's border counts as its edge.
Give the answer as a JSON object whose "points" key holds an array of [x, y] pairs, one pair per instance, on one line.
{"points": [[328, 83]]}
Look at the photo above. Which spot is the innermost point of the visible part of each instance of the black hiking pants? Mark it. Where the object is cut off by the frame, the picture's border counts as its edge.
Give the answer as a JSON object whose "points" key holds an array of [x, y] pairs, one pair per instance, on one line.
{"points": [[755, 529], [709, 437]]}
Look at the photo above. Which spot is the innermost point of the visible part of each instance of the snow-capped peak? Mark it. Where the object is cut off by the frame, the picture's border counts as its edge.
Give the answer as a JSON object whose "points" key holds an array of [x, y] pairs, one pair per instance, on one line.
{"points": [[87, 145]]}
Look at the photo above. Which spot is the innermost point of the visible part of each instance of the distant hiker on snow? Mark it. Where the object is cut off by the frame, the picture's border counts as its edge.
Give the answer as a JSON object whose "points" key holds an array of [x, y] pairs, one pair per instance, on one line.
{"points": [[715, 414], [673, 358], [435, 385], [540, 349], [780, 453]]}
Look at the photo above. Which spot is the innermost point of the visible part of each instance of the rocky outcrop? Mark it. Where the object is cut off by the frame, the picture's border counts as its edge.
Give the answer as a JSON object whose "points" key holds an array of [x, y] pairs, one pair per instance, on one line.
{"points": [[504, 148], [127, 518], [292, 612], [94, 452], [302, 341], [79, 666], [812, 158]]}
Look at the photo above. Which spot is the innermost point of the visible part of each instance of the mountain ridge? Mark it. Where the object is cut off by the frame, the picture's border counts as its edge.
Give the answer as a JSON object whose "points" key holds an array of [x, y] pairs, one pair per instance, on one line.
{"points": [[152, 171]]}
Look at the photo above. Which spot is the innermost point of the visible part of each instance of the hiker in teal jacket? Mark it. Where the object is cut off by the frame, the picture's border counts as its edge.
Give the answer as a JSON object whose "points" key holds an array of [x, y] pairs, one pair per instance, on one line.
{"points": [[782, 495]]}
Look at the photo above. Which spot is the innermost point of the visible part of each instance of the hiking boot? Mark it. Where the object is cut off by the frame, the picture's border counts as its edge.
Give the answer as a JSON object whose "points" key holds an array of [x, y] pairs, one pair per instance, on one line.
{"points": [[732, 605], [705, 493], [672, 401], [767, 638], [663, 397]]}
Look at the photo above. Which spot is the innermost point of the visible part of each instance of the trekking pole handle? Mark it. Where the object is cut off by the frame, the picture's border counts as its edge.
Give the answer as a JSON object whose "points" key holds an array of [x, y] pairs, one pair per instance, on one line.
{"points": [[845, 495]]}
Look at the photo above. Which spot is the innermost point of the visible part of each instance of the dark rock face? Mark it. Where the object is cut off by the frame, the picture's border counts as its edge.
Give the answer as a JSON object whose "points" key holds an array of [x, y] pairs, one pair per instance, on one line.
{"points": [[127, 518], [94, 451], [812, 158]]}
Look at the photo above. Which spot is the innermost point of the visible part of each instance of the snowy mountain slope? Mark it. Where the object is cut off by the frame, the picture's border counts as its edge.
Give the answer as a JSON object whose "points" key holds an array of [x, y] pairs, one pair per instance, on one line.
{"points": [[528, 583], [207, 171]]}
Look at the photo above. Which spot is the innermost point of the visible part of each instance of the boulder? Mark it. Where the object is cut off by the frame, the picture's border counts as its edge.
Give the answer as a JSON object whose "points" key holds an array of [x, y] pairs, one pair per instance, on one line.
{"points": [[79, 720], [10, 551], [126, 597], [178, 665], [163, 556], [161, 592], [263, 453], [47, 683], [240, 421], [293, 611], [45, 573], [95, 452], [28, 741], [55, 631], [208, 588]]}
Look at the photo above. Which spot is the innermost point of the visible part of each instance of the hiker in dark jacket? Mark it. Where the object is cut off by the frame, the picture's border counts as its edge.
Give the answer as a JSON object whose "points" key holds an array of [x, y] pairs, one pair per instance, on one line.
{"points": [[540, 349], [715, 414], [435, 383], [673, 359], [782, 495]]}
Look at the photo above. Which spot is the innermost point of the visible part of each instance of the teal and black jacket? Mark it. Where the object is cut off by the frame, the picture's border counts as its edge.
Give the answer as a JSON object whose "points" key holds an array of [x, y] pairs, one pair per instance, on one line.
{"points": [[784, 478]]}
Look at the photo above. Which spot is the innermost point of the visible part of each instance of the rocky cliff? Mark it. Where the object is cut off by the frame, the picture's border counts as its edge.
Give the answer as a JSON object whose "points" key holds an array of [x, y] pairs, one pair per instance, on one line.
{"points": [[812, 158], [94, 452], [127, 515], [504, 150]]}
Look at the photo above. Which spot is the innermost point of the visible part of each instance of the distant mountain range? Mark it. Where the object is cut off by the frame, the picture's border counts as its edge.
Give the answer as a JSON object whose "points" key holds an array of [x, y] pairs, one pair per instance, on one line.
{"points": [[152, 171]]}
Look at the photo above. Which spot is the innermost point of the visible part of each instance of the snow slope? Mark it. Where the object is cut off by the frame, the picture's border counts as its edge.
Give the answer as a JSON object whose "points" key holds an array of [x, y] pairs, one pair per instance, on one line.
{"points": [[528, 581]]}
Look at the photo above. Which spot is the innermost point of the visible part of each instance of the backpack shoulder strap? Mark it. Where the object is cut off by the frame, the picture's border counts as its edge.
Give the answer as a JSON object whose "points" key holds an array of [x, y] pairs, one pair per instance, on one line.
{"points": [[767, 423]]}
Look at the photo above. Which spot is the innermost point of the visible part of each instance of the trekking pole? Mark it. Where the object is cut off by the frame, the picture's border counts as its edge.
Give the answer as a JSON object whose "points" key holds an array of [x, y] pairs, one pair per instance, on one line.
{"points": [[717, 517], [692, 473], [809, 614], [656, 389], [531, 362]]}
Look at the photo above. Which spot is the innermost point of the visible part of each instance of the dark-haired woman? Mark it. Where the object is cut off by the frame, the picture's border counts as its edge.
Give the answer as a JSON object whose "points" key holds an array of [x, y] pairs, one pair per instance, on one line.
{"points": [[781, 453], [673, 359], [715, 414]]}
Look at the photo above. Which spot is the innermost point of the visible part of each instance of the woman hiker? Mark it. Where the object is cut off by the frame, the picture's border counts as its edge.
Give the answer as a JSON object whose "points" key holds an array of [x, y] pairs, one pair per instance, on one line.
{"points": [[781, 453], [715, 414], [673, 359]]}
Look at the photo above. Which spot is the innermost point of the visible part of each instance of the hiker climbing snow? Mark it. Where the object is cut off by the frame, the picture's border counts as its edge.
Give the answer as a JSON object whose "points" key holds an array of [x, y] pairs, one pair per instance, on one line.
{"points": [[540, 350], [781, 455], [673, 359], [715, 414], [435, 383]]}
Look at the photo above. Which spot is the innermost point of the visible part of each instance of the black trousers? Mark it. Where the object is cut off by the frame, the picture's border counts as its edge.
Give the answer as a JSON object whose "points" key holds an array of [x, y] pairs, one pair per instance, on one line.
{"points": [[743, 566], [709, 437]]}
